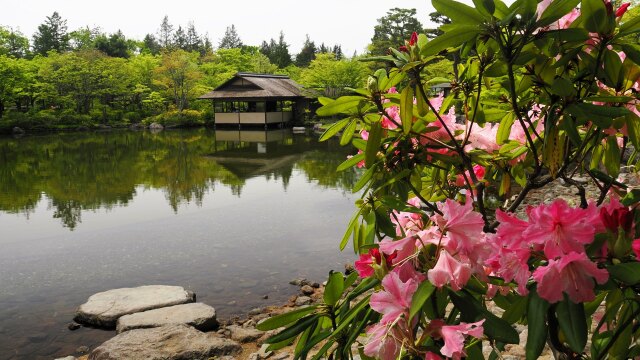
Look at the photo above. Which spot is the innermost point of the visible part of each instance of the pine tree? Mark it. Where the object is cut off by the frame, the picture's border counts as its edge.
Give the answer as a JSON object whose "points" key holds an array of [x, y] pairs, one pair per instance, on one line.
{"points": [[307, 54], [150, 45], [194, 43], [51, 35], [180, 39], [337, 51], [230, 40], [165, 34]]}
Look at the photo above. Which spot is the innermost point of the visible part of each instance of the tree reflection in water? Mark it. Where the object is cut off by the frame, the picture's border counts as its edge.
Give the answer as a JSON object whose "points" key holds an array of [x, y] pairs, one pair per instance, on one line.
{"points": [[89, 171]]}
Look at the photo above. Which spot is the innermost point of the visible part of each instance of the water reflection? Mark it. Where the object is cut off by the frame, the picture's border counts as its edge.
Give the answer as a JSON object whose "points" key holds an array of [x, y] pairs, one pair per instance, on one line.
{"points": [[232, 216], [80, 172]]}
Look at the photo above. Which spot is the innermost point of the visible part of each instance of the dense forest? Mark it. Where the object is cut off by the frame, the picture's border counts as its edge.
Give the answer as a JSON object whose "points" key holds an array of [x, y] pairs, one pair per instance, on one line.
{"points": [[85, 78]]}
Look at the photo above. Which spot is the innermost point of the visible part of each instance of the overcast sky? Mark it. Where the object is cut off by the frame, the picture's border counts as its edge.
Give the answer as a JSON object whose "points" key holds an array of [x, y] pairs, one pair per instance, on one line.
{"points": [[346, 22]]}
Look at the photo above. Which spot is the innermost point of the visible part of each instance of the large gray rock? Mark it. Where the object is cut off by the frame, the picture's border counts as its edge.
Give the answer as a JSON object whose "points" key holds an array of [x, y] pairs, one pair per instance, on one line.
{"points": [[201, 316], [103, 309], [244, 335], [156, 126], [171, 342]]}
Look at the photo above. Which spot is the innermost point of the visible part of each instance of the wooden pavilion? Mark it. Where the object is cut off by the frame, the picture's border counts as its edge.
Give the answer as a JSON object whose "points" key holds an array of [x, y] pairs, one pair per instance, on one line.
{"points": [[257, 99]]}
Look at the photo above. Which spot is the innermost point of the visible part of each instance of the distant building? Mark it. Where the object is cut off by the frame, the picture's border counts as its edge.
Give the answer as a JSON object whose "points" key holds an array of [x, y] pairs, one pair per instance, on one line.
{"points": [[257, 99]]}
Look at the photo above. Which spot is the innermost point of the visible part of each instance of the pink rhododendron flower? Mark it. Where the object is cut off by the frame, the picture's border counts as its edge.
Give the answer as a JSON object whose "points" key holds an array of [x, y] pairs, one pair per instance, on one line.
{"points": [[407, 272], [453, 336], [432, 356], [448, 270], [510, 231], [635, 246], [572, 274], [559, 228], [384, 341], [478, 170], [364, 266], [483, 138], [395, 299], [402, 248], [462, 224], [512, 265]]}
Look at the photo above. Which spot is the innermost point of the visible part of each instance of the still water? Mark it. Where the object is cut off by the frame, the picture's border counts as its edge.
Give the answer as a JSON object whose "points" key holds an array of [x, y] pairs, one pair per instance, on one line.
{"points": [[232, 216]]}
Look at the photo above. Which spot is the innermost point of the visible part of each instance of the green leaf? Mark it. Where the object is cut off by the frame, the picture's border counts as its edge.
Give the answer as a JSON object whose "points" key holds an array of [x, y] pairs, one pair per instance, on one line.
{"points": [[364, 179], [612, 69], [422, 294], [352, 161], [348, 132], [632, 197], [340, 105], [406, 109], [594, 14], [537, 325], [486, 7], [286, 318], [630, 26], [555, 11], [293, 330], [568, 35], [504, 129], [452, 38], [373, 143], [573, 324], [612, 157], [517, 308], [334, 288], [626, 273], [458, 12], [349, 231], [494, 327], [334, 129], [563, 87], [601, 115]]}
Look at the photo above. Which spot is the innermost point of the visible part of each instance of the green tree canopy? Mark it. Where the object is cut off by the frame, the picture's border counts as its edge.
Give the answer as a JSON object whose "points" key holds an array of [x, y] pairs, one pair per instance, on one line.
{"points": [[231, 39], [51, 35], [307, 54], [393, 29], [13, 43]]}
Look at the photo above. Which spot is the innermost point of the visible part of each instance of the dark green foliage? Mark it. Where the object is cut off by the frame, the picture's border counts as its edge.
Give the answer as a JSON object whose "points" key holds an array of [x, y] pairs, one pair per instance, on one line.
{"points": [[51, 35], [393, 29], [231, 39]]}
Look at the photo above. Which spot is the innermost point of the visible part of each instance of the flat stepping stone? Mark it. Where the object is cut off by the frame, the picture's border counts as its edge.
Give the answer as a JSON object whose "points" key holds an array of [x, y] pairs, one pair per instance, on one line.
{"points": [[103, 309], [171, 342], [199, 315]]}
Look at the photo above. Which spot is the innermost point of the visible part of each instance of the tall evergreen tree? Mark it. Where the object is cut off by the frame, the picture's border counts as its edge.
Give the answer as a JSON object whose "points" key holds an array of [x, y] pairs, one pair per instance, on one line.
{"points": [[150, 45], [231, 39], [282, 58], [115, 45], [337, 51], [165, 34], [180, 39], [323, 49], [193, 41], [51, 35], [393, 29], [439, 19], [307, 54]]}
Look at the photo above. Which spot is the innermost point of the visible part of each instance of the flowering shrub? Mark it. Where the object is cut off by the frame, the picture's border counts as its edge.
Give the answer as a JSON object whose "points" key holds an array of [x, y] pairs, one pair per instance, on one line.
{"points": [[543, 91]]}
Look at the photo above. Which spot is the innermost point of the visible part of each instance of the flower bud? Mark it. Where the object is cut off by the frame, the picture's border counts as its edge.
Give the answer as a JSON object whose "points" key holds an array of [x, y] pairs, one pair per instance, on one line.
{"points": [[414, 39], [622, 9]]}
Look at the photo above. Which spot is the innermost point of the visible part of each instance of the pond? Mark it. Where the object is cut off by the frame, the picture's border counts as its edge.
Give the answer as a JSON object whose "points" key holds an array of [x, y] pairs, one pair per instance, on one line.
{"points": [[230, 215]]}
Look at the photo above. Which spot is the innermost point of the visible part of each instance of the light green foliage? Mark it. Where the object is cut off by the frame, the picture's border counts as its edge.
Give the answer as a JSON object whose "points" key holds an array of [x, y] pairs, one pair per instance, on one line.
{"points": [[331, 76], [13, 43], [178, 75]]}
